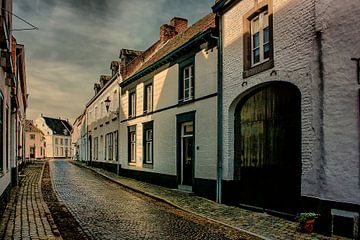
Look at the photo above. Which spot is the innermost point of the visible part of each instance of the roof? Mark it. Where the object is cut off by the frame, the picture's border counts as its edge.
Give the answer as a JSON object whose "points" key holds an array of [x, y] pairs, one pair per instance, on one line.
{"points": [[58, 126], [30, 127], [177, 42]]}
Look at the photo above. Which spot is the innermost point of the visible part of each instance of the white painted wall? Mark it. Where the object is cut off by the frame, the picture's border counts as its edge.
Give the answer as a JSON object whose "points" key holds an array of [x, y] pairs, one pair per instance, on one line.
{"points": [[296, 52], [165, 89]]}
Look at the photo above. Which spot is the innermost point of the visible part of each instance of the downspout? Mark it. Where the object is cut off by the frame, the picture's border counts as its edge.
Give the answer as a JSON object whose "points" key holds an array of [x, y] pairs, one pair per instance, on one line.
{"points": [[118, 129], [219, 111]]}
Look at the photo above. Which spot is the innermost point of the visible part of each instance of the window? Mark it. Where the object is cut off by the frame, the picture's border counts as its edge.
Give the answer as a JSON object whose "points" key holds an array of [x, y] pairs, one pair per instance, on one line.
{"points": [[109, 145], [148, 143], [132, 144], [66, 141], [61, 151], [56, 141], [61, 141], [96, 148], [186, 80], [1, 133], [132, 105], [258, 44], [116, 145], [57, 151], [148, 98], [260, 47], [32, 136]]}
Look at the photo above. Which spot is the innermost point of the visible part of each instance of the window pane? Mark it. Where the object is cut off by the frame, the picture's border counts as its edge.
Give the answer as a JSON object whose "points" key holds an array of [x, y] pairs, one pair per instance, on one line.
{"points": [[186, 72], [265, 19], [255, 25], [256, 55], [266, 35], [256, 40], [186, 94], [266, 50]]}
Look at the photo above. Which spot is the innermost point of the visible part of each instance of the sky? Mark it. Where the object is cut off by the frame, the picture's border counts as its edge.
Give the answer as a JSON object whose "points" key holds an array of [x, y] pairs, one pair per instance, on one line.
{"points": [[78, 39]]}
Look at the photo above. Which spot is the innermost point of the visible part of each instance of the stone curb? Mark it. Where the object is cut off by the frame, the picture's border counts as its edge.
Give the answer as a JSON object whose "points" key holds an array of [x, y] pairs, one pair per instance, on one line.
{"points": [[49, 217], [169, 202]]}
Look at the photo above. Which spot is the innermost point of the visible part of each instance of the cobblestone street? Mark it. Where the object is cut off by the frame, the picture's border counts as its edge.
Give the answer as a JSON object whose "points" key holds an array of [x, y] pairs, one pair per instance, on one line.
{"points": [[106, 210]]}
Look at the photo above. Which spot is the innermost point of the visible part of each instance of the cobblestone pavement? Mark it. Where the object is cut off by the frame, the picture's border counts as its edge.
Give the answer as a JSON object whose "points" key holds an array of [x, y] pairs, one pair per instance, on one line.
{"points": [[105, 210], [260, 224], [26, 215]]}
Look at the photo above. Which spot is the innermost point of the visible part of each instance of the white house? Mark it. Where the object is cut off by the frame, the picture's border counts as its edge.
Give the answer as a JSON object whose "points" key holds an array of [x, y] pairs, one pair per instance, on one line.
{"points": [[168, 109], [103, 123], [291, 107], [57, 136]]}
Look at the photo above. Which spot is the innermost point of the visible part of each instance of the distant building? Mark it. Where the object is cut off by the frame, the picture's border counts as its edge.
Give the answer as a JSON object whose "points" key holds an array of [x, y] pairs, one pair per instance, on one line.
{"points": [[34, 141], [78, 138], [57, 136]]}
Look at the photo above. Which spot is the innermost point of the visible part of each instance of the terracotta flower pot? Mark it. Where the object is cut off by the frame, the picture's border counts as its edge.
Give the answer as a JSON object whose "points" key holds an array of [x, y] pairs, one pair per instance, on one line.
{"points": [[308, 226]]}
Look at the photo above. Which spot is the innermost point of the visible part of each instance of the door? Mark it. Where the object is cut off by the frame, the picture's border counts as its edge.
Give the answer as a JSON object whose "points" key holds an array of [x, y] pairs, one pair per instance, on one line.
{"points": [[268, 148], [187, 153], [32, 152]]}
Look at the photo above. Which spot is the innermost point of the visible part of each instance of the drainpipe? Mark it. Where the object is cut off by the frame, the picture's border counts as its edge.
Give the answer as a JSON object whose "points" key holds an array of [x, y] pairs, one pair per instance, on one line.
{"points": [[219, 112], [118, 129]]}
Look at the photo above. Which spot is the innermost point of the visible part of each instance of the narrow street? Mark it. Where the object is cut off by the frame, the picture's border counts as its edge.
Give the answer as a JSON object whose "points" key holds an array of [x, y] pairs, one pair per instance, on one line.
{"points": [[106, 210]]}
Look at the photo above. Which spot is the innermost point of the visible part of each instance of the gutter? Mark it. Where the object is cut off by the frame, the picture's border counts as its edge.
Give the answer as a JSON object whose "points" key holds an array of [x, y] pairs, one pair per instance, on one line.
{"points": [[219, 168], [167, 58]]}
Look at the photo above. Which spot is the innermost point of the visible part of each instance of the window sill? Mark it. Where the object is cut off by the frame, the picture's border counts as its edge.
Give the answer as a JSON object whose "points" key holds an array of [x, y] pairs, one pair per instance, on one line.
{"points": [[148, 165], [183, 102], [258, 68]]}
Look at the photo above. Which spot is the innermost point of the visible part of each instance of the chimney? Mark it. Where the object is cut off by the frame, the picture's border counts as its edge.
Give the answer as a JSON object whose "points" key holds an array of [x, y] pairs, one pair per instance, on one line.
{"points": [[166, 32], [104, 79], [97, 87], [126, 56], [180, 24]]}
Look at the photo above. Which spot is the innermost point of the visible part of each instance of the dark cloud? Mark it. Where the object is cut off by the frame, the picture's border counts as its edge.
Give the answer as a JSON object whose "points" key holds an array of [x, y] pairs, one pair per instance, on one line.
{"points": [[78, 39]]}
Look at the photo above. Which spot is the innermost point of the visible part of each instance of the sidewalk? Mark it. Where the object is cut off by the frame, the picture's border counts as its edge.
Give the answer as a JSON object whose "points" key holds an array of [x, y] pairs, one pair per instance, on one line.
{"points": [[258, 224], [27, 215]]}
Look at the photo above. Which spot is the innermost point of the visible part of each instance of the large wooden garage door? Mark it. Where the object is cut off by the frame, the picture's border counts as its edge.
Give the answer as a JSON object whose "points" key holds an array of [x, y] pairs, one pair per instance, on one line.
{"points": [[268, 148]]}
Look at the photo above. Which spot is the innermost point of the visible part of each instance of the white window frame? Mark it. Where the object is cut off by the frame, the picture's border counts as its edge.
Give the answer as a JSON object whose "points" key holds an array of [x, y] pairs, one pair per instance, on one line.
{"points": [[149, 98], [133, 147], [190, 78], [263, 19], [132, 102], [149, 146]]}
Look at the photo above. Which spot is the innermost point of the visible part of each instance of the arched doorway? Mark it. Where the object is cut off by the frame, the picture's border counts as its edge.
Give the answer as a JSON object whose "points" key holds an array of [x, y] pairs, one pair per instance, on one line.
{"points": [[267, 158]]}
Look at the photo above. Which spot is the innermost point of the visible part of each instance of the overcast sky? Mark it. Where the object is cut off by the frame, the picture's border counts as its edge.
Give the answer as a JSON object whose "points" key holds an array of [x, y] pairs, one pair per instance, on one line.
{"points": [[78, 39]]}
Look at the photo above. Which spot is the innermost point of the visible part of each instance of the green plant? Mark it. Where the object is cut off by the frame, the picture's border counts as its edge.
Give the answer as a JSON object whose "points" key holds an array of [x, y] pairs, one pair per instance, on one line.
{"points": [[303, 217]]}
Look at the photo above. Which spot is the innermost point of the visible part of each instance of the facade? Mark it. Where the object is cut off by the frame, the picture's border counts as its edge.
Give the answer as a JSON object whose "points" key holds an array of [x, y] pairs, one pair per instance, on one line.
{"points": [[57, 136], [35, 141], [76, 137], [13, 104], [168, 109], [290, 107], [103, 122]]}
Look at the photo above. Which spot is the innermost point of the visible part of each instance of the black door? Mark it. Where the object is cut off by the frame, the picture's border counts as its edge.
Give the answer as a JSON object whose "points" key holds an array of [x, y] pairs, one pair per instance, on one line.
{"points": [[268, 148], [187, 161]]}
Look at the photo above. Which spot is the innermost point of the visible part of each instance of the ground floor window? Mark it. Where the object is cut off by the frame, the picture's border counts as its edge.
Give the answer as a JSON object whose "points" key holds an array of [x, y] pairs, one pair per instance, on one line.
{"points": [[116, 145], [96, 148], [109, 146], [132, 144], [148, 143]]}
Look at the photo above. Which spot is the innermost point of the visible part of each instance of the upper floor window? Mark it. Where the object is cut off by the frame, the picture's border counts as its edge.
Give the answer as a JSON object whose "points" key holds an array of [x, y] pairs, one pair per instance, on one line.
{"points": [[32, 136], [186, 80], [260, 45], [56, 141], [148, 98], [61, 141], [258, 39], [132, 105], [66, 141]]}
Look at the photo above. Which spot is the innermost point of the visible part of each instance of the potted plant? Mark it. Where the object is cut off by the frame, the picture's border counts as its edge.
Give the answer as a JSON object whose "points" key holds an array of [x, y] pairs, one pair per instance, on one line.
{"points": [[307, 221]]}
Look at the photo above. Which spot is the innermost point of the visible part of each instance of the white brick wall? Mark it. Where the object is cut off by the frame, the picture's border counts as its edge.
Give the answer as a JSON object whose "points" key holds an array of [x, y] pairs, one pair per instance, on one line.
{"points": [[296, 61]]}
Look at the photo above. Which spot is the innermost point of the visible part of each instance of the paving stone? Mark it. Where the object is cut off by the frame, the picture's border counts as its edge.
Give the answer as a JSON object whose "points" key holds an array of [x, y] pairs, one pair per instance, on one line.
{"points": [[24, 217], [261, 224]]}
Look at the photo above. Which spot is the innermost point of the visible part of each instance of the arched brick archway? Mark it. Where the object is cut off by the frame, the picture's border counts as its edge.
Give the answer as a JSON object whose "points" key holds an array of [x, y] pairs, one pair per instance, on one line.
{"points": [[267, 147]]}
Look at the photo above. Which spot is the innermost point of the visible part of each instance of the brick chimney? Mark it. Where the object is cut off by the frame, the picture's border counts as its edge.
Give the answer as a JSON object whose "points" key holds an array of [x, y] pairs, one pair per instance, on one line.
{"points": [[180, 24], [97, 87], [126, 56], [104, 79], [167, 32]]}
